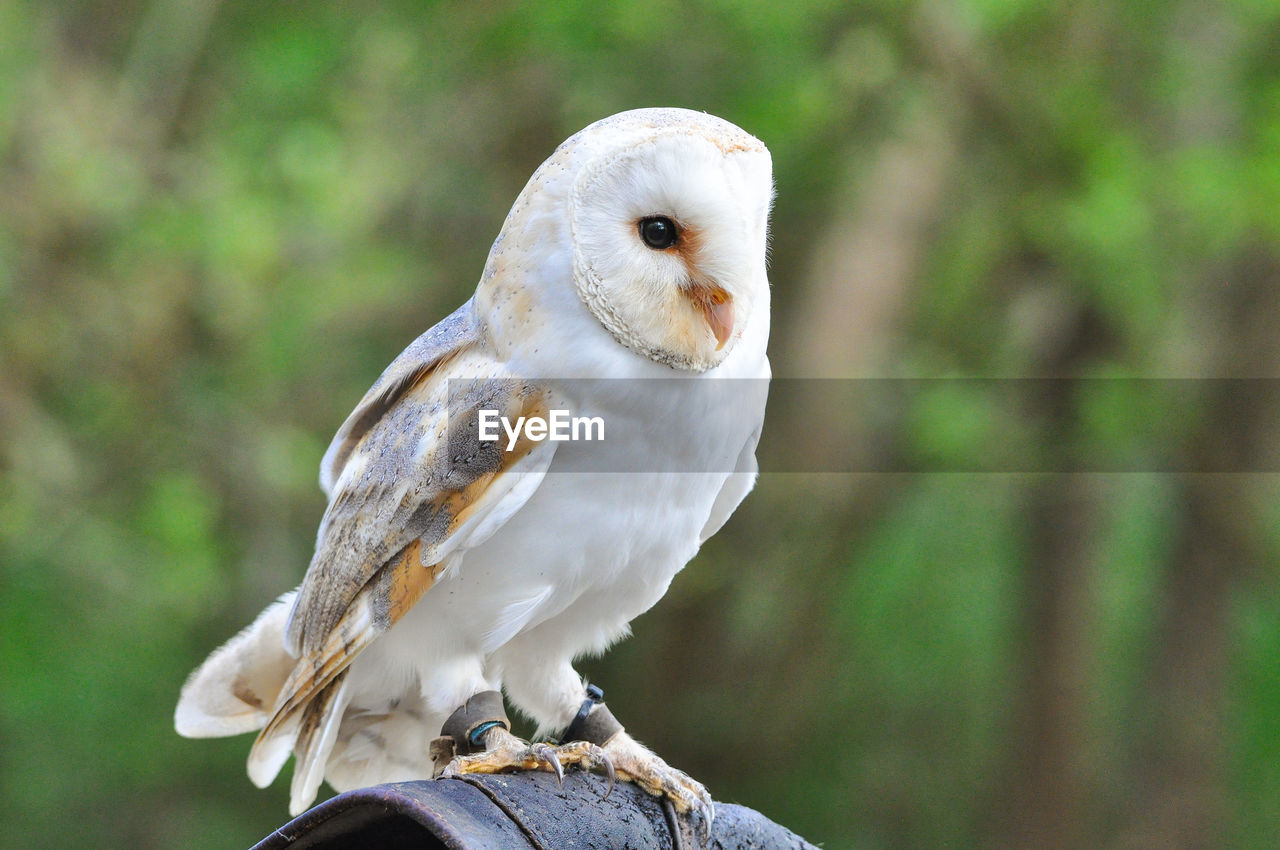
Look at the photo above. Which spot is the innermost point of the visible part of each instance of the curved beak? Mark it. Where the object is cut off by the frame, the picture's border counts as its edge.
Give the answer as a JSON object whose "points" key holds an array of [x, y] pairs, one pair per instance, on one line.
{"points": [[716, 306]]}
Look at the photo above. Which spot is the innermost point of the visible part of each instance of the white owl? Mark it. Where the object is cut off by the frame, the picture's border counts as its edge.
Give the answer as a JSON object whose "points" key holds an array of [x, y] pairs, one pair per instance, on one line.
{"points": [[627, 284]]}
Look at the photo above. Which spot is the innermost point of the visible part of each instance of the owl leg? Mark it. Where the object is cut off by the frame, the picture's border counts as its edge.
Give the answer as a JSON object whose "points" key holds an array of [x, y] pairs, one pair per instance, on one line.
{"points": [[592, 738], [630, 761], [477, 739]]}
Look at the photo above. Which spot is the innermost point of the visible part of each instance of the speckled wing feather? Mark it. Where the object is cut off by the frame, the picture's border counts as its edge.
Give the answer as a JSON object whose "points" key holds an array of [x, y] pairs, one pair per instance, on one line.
{"points": [[452, 333], [410, 483], [406, 467]]}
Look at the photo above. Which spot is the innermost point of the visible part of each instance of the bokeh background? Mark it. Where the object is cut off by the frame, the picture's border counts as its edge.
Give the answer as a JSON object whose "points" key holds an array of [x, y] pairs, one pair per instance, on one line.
{"points": [[220, 220]]}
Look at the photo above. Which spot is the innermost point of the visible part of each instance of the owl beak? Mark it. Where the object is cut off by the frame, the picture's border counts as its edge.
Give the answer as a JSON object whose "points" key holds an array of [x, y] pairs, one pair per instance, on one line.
{"points": [[716, 306]]}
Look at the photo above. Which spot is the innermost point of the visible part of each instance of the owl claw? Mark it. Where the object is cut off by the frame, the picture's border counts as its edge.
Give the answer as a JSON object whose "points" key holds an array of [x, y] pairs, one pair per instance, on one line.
{"points": [[547, 755], [621, 759], [600, 757], [505, 753], [632, 762]]}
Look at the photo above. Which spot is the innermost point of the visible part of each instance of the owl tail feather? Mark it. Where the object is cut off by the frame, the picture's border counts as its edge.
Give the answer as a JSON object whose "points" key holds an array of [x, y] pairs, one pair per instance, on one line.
{"points": [[234, 691], [318, 731], [308, 734]]}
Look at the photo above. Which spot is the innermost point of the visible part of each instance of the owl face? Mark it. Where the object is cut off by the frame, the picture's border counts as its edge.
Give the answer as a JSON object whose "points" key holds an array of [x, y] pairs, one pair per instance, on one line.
{"points": [[668, 225], [656, 221]]}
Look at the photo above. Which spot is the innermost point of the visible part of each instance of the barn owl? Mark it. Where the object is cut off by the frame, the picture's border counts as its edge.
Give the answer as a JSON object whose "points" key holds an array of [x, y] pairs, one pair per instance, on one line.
{"points": [[628, 278]]}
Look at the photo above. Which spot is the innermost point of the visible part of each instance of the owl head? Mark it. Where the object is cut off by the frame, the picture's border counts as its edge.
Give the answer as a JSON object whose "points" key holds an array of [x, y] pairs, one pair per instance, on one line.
{"points": [[659, 220]]}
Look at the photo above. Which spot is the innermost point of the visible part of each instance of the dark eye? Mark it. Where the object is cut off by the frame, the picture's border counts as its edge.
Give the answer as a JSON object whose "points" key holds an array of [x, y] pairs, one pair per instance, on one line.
{"points": [[658, 232]]}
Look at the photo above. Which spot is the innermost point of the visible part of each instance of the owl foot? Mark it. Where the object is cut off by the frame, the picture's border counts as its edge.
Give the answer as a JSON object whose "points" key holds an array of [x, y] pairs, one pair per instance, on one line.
{"points": [[505, 753], [476, 739], [631, 761]]}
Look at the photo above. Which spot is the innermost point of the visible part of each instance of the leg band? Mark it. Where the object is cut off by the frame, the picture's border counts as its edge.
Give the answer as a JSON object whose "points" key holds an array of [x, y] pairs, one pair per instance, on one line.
{"points": [[478, 715], [594, 722]]}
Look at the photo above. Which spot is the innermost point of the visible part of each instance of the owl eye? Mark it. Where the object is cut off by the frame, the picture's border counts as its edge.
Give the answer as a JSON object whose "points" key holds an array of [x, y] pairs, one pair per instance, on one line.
{"points": [[658, 232]]}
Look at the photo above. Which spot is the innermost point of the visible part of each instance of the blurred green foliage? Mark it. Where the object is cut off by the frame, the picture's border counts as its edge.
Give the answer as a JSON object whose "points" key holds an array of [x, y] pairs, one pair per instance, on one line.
{"points": [[219, 221]]}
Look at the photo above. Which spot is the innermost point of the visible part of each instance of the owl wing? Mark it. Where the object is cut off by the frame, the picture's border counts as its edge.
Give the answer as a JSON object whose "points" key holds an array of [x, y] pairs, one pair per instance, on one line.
{"points": [[734, 489], [410, 484], [739, 482], [451, 334]]}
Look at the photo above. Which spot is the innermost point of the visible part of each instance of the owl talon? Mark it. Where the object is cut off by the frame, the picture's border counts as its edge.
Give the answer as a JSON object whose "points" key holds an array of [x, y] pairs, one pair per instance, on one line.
{"points": [[632, 762], [600, 757], [547, 755], [506, 753]]}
